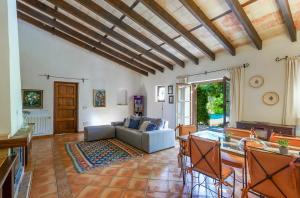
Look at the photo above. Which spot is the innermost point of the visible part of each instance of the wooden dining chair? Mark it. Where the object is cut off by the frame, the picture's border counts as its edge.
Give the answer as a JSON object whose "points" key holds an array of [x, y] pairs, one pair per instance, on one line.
{"points": [[186, 129], [184, 152], [234, 160], [293, 141], [239, 133], [206, 159], [272, 174]]}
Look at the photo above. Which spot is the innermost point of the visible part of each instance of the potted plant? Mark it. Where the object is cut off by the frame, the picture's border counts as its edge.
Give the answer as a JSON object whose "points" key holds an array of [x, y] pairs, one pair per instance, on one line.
{"points": [[283, 146], [227, 136]]}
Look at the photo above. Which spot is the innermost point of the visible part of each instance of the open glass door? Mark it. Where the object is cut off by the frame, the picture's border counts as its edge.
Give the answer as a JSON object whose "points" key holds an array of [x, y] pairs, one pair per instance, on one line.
{"points": [[226, 103], [183, 104]]}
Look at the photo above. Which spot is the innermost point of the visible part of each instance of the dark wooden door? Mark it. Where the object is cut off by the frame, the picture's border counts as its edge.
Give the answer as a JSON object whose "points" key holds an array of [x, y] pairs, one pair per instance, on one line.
{"points": [[65, 107]]}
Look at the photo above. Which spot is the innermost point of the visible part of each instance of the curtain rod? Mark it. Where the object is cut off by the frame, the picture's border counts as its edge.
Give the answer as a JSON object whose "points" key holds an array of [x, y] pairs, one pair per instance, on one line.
{"points": [[245, 65], [277, 59], [60, 77]]}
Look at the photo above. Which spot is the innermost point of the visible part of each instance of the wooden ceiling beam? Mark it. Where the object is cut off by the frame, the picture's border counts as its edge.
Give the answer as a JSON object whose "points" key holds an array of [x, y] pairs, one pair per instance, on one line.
{"points": [[285, 11], [171, 21], [239, 12], [80, 36], [52, 12], [122, 7], [94, 7], [205, 21], [77, 42], [103, 28]]}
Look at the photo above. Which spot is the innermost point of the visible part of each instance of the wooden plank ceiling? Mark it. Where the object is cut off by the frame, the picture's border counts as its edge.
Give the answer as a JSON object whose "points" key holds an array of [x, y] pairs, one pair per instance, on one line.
{"points": [[150, 36]]}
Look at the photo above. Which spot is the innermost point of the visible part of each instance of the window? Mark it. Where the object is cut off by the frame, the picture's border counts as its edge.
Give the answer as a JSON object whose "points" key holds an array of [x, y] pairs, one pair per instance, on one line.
{"points": [[160, 93]]}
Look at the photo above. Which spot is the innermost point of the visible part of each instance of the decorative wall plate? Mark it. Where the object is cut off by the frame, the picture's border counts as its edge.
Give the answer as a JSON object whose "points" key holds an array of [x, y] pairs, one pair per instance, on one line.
{"points": [[270, 98], [256, 81]]}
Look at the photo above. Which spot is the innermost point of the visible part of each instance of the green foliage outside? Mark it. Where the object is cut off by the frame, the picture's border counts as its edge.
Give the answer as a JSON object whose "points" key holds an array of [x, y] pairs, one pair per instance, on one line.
{"points": [[202, 100], [209, 101]]}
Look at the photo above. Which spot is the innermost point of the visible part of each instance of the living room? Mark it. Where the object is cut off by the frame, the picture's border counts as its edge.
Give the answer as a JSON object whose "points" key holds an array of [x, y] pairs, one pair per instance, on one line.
{"points": [[100, 97]]}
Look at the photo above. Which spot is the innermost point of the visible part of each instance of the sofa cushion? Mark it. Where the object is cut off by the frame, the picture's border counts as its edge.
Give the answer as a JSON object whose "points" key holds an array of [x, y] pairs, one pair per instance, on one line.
{"points": [[158, 121], [126, 122], [134, 124], [144, 126], [151, 127], [129, 136]]}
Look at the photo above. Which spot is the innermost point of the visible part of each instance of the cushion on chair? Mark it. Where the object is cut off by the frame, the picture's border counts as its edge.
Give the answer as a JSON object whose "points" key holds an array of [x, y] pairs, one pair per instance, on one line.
{"points": [[232, 160]]}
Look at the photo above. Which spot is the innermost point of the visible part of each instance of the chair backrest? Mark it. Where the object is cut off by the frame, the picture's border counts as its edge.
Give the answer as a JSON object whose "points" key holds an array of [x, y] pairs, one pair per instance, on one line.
{"points": [[205, 156], [293, 141], [186, 129], [273, 174], [238, 132]]}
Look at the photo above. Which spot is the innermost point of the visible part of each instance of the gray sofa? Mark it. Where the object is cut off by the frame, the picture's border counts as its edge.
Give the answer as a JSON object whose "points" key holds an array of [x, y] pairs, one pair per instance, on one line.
{"points": [[148, 141]]}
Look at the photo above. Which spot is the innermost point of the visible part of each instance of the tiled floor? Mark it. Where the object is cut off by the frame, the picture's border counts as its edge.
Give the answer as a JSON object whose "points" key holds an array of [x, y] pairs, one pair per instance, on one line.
{"points": [[155, 175]]}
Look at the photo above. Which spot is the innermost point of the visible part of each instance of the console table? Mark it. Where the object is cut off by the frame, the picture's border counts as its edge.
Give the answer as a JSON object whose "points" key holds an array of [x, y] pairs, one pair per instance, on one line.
{"points": [[266, 129], [7, 164], [21, 139]]}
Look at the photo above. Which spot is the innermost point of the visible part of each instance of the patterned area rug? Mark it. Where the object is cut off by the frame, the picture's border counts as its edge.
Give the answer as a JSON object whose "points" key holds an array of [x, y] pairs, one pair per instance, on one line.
{"points": [[88, 155]]}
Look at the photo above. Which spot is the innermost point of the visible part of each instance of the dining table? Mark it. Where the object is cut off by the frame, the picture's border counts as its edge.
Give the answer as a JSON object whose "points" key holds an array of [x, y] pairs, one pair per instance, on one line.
{"points": [[232, 146]]}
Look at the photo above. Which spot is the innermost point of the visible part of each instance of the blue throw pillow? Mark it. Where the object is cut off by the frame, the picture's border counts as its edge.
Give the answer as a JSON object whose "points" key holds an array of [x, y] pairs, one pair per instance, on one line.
{"points": [[151, 127], [134, 124]]}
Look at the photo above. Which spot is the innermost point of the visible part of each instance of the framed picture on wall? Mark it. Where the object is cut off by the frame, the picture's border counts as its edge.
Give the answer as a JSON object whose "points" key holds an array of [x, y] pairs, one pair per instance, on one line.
{"points": [[32, 99], [99, 98], [171, 99], [170, 89]]}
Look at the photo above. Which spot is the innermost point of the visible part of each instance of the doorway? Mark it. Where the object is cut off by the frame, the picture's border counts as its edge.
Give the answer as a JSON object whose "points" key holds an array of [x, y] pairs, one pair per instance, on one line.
{"points": [[65, 107], [213, 103]]}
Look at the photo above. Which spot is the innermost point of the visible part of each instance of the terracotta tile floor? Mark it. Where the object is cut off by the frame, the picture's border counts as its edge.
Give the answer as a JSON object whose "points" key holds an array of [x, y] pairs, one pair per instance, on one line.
{"points": [[155, 175]]}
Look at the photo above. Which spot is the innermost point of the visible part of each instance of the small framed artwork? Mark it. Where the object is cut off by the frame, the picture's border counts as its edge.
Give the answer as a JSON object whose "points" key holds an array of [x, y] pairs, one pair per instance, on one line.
{"points": [[32, 99], [170, 89], [171, 99], [99, 98]]}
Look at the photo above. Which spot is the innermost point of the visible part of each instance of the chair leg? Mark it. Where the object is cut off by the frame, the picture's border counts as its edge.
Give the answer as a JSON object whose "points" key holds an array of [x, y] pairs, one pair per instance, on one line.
{"points": [[233, 188], [243, 177], [192, 187]]}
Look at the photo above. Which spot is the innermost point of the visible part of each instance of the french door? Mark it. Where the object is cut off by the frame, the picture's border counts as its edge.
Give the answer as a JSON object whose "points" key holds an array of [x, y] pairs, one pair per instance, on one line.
{"points": [[226, 100], [184, 104]]}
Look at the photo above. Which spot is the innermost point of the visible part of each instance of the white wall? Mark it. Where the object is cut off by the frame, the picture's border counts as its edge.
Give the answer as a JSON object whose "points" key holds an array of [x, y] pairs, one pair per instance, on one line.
{"points": [[10, 82], [261, 63], [43, 53]]}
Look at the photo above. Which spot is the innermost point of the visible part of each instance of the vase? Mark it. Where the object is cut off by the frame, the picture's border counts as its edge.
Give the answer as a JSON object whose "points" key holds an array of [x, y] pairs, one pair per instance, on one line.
{"points": [[283, 150]]}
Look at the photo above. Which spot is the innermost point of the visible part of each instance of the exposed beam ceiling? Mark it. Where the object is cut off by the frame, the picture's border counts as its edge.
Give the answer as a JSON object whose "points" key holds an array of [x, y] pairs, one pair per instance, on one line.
{"points": [[239, 12], [117, 22], [72, 23], [285, 10], [205, 21], [135, 39], [170, 20], [98, 25], [82, 40], [122, 7]]}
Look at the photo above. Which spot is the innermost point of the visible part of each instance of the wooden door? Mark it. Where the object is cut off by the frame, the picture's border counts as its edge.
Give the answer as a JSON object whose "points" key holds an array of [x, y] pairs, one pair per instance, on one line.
{"points": [[65, 107]]}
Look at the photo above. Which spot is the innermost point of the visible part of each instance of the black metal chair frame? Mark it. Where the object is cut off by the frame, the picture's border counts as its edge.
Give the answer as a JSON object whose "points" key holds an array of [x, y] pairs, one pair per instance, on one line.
{"points": [[203, 157], [268, 176]]}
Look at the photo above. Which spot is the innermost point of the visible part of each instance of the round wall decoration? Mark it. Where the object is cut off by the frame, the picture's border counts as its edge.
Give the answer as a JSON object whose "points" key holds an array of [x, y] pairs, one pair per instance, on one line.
{"points": [[256, 81], [270, 98]]}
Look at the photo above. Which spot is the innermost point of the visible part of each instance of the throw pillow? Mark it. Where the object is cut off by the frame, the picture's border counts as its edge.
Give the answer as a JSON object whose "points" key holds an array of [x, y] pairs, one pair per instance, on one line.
{"points": [[126, 123], [134, 124], [144, 126], [151, 127], [157, 121]]}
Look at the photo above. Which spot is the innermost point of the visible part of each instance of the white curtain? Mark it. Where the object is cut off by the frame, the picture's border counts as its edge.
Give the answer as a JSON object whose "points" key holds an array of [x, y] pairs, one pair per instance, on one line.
{"points": [[291, 108], [237, 79]]}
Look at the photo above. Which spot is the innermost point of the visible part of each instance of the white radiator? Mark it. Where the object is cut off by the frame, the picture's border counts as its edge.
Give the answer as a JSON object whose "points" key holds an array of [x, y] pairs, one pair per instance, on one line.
{"points": [[42, 122]]}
